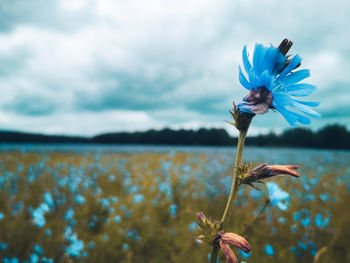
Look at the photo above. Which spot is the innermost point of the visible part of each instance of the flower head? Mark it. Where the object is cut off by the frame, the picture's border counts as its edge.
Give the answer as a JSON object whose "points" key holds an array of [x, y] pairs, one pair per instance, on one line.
{"points": [[273, 83]]}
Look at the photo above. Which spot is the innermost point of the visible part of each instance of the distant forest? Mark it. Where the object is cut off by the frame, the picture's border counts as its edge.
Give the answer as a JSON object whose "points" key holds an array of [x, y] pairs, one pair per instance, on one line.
{"points": [[330, 137]]}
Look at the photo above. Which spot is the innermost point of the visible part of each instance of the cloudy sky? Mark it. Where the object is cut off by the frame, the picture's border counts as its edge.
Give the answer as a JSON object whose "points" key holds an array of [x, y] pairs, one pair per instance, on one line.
{"points": [[90, 66]]}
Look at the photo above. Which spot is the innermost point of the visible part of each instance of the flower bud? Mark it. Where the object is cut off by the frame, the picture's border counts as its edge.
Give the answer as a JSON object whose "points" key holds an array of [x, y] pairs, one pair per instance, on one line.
{"points": [[264, 171]]}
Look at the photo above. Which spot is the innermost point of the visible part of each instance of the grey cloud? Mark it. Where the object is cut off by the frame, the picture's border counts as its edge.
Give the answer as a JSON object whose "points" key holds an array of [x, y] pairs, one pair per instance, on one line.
{"points": [[13, 61], [44, 14], [31, 105]]}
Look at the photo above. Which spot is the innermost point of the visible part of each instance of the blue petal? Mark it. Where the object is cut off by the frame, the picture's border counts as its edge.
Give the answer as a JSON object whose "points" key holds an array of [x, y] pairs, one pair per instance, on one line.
{"points": [[244, 107], [246, 63], [281, 99], [290, 116], [270, 59], [305, 109], [243, 80], [293, 63], [309, 103], [299, 90], [279, 62], [296, 76], [258, 56], [265, 80]]}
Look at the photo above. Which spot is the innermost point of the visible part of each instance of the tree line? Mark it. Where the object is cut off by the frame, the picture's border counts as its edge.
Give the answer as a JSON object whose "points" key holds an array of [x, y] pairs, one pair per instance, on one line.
{"points": [[330, 137]]}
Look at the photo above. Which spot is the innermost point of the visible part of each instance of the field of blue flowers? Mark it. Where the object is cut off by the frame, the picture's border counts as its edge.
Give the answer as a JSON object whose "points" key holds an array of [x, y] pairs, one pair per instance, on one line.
{"points": [[100, 204]]}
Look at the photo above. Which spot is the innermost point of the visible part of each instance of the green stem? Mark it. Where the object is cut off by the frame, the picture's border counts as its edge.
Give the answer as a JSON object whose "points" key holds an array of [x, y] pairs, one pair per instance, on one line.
{"points": [[214, 254], [234, 187]]}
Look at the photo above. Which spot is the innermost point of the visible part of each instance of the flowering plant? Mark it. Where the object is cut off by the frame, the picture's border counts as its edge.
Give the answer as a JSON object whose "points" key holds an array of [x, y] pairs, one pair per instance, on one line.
{"points": [[273, 83]]}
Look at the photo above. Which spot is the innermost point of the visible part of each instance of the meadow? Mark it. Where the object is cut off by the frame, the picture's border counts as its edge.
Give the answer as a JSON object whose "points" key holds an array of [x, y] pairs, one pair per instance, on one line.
{"points": [[138, 204]]}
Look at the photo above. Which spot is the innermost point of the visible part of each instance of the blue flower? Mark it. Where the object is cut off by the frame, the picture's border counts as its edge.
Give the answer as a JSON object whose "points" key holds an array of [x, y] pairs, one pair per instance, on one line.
{"points": [[269, 250], [273, 83], [173, 209], [69, 215], [79, 199], [277, 196], [48, 199], [117, 219], [193, 226], [138, 198]]}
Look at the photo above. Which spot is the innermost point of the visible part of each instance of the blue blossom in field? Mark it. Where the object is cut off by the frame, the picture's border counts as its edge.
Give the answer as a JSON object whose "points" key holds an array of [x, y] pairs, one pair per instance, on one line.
{"points": [[48, 199], [38, 214], [104, 202], [295, 251], [321, 221], [117, 219], [76, 245], [111, 178], [293, 228], [133, 234], [75, 248], [269, 250], [138, 198], [277, 196], [2, 216], [282, 220], [306, 221], [16, 208], [34, 258], [97, 191], [3, 246], [69, 214], [47, 232], [193, 226], [125, 246], [113, 199], [173, 210], [79, 199], [324, 197], [91, 245], [244, 254], [273, 83], [85, 254], [302, 245], [63, 181], [46, 260], [105, 237], [10, 260], [38, 249]]}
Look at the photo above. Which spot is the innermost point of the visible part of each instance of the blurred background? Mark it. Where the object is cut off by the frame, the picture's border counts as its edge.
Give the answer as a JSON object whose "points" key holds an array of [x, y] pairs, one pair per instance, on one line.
{"points": [[113, 133]]}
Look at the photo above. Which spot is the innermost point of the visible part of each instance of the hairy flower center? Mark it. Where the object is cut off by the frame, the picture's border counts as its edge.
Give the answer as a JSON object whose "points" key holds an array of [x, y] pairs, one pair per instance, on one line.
{"points": [[258, 96]]}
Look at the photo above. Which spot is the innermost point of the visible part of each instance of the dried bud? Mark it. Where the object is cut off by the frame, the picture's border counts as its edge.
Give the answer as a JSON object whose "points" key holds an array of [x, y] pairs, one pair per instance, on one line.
{"points": [[226, 239], [228, 253], [237, 241], [264, 171]]}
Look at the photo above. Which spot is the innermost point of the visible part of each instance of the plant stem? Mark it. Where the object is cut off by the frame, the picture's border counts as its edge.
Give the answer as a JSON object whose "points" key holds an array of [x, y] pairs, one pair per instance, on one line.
{"points": [[234, 187], [214, 254]]}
